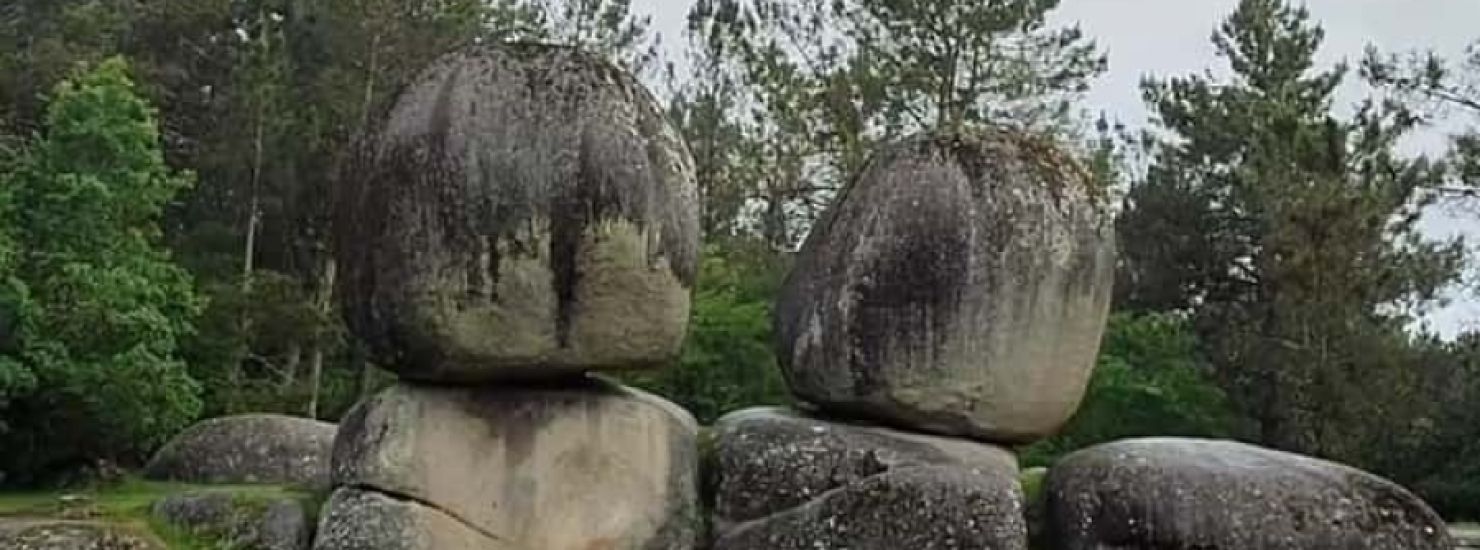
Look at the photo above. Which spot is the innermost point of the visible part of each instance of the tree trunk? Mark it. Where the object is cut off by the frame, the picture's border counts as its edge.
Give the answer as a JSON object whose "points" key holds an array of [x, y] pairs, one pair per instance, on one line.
{"points": [[290, 371], [324, 301]]}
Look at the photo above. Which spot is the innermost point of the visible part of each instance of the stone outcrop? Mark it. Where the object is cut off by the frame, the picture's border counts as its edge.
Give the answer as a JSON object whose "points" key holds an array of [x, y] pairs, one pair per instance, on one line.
{"points": [[73, 535], [959, 285], [1186, 494], [780, 480], [259, 448], [523, 212], [565, 467]]}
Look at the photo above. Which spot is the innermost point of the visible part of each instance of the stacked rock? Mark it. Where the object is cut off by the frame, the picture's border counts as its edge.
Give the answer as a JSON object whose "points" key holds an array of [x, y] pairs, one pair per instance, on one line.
{"points": [[958, 288], [523, 217]]}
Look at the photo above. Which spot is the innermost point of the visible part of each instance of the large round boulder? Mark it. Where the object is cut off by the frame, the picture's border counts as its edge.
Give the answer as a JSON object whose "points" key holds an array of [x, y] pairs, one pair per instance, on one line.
{"points": [[572, 467], [523, 212], [1188, 494], [959, 285], [255, 448], [783, 481]]}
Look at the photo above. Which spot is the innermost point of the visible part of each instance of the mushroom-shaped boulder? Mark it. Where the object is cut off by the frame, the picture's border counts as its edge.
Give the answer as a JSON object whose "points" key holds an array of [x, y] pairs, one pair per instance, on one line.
{"points": [[959, 285], [523, 211]]}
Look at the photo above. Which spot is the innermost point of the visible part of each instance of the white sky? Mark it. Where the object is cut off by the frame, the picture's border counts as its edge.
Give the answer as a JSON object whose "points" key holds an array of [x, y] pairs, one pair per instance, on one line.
{"points": [[1171, 37]]}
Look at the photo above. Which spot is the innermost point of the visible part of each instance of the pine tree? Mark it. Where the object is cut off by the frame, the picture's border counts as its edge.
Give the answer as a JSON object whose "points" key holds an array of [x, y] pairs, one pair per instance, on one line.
{"points": [[1289, 234]]}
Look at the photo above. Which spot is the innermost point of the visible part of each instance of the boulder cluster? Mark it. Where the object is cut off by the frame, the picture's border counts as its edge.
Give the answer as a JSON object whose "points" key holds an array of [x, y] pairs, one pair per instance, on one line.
{"points": [[525, 218]]}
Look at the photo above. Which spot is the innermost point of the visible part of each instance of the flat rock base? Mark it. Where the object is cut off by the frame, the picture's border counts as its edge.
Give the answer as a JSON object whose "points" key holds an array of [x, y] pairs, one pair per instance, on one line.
{"points": [[783, 481]]}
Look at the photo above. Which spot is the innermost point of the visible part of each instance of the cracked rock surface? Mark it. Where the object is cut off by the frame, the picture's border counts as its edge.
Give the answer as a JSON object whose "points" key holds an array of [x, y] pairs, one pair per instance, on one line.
{"points": [[583, 465], [780, 480], [1192, 494]]}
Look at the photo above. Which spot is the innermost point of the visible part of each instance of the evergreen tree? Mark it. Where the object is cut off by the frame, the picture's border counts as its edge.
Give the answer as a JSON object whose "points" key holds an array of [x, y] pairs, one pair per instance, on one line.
{"points": [[1290, 235], [106, 307], [822, 82]]}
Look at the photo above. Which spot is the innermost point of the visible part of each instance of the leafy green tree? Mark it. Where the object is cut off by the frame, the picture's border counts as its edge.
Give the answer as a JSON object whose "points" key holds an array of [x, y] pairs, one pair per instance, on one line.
{"points": [[1150, 381], [1290, 236], [107, 308]]}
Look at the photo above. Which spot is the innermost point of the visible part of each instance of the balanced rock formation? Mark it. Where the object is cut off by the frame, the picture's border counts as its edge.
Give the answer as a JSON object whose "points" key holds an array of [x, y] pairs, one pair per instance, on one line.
{"points": [[1186, 494], [523, 212], [256, 448], [567, 467], [782, 481], [960, 286]]}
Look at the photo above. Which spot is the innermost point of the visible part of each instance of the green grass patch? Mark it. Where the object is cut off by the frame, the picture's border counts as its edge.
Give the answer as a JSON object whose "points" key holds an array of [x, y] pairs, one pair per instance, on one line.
{"points": [[128, 503]]}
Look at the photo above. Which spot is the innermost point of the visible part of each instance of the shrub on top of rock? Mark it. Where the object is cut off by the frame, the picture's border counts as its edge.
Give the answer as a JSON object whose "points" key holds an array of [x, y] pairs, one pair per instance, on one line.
{"points": [[524, 211], [959, 285]]}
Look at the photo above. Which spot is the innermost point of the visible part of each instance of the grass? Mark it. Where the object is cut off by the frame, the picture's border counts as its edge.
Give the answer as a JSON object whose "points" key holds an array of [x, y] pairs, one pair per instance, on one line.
{"points": [[128, 504]]}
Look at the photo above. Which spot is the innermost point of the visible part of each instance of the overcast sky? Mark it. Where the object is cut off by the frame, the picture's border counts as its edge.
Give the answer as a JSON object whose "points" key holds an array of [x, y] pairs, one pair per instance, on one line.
{"points": [[1170, 37]]}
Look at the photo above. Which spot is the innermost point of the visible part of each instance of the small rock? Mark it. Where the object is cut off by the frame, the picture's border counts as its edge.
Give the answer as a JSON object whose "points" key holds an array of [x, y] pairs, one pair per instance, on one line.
{"points": [[1191, 494], [284, 525], [259, 448], [279, 525], [200, 512]]}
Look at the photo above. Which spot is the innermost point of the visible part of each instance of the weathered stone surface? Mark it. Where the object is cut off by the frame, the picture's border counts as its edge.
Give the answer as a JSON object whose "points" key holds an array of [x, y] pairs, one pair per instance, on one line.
{"points": [[960, 285], [355, 519], [280, 524], [555, 468], [198, 511], [1188, 494], [72, 535], [523, 212], [284, 525], [258, 448], [783, 481]]}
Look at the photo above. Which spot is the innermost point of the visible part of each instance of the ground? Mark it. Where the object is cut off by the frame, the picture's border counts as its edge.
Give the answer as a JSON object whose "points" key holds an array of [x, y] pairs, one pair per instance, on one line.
{"points": [[126, 504]]}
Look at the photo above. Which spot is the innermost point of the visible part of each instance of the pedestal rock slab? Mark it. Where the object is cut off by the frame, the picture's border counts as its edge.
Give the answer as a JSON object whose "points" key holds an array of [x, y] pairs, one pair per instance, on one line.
{"points": [[523, 212], [781, 481], [592, 465], [1187, 494], [959, 285]]}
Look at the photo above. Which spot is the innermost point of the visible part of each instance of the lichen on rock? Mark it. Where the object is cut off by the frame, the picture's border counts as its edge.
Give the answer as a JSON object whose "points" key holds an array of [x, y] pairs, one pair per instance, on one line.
{"points": [[523, 211]]}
